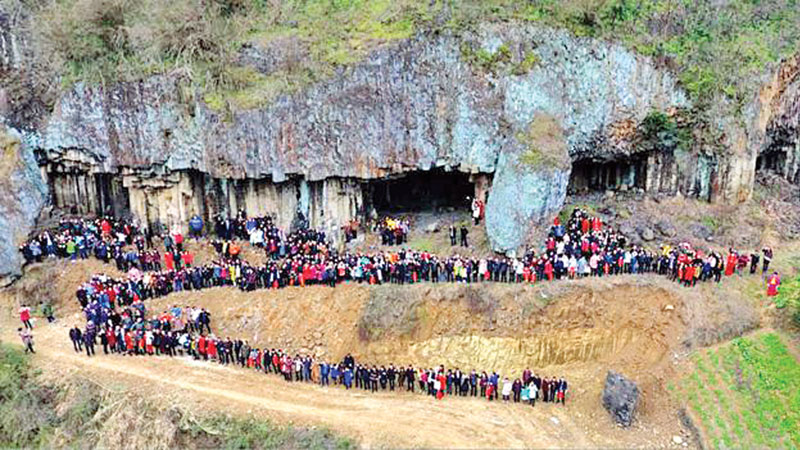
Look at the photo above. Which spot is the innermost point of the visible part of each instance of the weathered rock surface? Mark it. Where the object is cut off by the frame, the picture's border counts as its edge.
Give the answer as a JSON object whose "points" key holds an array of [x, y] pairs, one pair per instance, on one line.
{"points": [[521, 197], [144, 148], [414, 106], [418, 105], [620, 398], [530, 186], [647, 234], [23, 193], [780, 152], [666, 228]]}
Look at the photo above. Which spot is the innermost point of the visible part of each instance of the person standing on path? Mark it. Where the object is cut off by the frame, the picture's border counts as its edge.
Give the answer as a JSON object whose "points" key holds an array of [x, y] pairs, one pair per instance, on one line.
{"points": [[25, 316], [767, 251], [27, 339], [773, 282]]}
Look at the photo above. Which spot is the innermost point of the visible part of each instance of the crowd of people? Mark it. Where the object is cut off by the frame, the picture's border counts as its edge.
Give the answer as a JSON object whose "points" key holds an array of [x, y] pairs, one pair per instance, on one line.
{"points": [[186, 332], [582, 247], [116, 314], [104, 238], [393, 230]]}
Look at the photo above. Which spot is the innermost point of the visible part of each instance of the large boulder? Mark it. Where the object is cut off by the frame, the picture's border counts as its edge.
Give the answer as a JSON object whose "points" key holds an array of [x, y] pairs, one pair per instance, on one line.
{"points": [[529, 187], [647, 234], [666, 228], [620, 398]]}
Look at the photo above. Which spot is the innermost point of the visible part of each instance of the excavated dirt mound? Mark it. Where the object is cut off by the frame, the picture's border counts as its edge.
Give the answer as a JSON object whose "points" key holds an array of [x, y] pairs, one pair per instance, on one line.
{"points": [[618, 321]]}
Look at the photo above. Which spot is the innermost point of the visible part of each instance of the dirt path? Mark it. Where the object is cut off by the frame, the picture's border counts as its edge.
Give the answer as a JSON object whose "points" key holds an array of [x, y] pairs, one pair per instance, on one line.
{"points": [[375, 420], [384, 419], [575, 328]]}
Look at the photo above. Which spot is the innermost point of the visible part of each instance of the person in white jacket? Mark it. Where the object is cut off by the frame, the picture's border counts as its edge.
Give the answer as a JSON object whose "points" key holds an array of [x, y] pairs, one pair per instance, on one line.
{"points": [[507, 386]]}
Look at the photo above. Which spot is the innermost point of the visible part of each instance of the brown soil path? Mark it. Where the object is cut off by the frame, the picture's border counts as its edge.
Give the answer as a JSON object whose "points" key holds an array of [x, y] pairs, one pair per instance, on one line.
{"points": [[375, 420], [384, 419], [609, 308]]}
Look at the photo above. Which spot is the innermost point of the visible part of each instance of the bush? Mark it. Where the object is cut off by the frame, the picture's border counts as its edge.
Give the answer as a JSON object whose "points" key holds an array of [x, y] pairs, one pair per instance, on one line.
{"points": [[717, 48], [25, 416]]}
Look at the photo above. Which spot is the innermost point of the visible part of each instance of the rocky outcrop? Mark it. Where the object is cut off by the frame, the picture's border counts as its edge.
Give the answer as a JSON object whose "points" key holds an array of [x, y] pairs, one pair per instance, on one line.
{"points": [[414, 106], [620, 398], [24, 193], [780, 123], [419, 105], [530, 186], [146, 149]]}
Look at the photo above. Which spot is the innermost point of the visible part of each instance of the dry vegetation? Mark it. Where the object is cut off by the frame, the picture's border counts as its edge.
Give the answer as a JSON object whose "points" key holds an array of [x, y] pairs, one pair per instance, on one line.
{"points": [[545, 145], [50, 410], [9, 155], [717, 49]]}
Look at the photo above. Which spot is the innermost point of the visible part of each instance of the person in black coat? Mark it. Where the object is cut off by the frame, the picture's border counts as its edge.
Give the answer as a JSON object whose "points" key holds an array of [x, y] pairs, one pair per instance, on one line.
{"points": [[77, 339]]}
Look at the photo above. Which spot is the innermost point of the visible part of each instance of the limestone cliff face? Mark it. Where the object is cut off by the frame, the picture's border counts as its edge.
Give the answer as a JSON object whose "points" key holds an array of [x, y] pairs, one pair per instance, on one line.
{"points": [[778, 123], [415, 105], [23, 193], [420, 104]]}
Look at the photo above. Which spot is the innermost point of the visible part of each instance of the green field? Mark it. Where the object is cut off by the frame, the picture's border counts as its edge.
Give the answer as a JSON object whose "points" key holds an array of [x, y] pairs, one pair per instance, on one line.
{"points": [[745, 393]]}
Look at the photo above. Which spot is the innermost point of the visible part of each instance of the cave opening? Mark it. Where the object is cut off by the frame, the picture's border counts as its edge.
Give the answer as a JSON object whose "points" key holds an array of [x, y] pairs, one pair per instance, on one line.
{"points": [[771, 161], [621, 174], [418, 191]]}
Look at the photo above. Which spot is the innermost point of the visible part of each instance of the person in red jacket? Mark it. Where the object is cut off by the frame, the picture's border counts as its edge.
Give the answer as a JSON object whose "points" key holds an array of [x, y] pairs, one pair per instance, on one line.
{"points": [[168, 261], [129, 342], [25, 316], [597, 224], [188, 258], [212, 348], [442, 385], [730, 266], [773, 282], [178, 238], [105, 227], [548, 270], [234, 249], [112, 339], [201, 347]]}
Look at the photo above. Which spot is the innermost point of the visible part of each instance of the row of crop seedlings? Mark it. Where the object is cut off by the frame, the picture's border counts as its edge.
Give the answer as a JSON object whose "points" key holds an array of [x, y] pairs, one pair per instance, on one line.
{"points": [[759, 373]]}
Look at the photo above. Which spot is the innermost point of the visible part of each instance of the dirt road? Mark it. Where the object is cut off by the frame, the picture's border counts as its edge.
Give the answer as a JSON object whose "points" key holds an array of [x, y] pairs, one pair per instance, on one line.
{"points": [[375, 420], [383, 419]]}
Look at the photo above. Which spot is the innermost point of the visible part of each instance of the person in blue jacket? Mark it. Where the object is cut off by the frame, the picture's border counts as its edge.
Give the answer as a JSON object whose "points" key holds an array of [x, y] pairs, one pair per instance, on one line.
{"points": [[196, 226], [348, 378], [323, 374]]}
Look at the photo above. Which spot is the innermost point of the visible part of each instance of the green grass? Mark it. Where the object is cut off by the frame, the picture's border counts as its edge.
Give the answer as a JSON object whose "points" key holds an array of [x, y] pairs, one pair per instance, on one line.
{"points": [[745, 393], [25, 418]]}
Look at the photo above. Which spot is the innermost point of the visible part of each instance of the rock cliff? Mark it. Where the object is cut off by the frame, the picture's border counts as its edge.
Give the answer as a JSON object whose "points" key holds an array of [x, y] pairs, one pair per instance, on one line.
{"points": [[779, 123], [436, 101]]}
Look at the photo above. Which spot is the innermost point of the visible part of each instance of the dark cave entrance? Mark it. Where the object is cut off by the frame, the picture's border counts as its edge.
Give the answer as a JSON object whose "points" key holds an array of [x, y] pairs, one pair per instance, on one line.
{"points": [[771, 161], [417, 191], [622, 174]]}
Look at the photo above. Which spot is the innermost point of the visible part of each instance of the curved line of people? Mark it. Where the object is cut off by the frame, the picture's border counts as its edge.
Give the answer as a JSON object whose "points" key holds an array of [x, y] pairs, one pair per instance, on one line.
{"points": [[187, 332], [581, 248]]}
